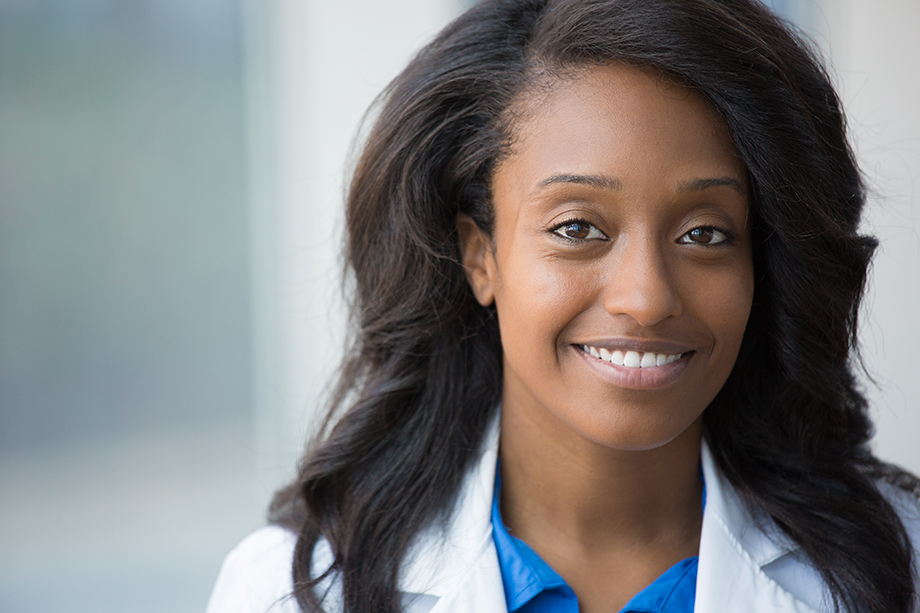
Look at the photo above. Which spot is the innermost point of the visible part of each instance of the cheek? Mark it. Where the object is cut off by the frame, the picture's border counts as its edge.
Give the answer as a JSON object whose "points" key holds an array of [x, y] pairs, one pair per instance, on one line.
{"points": [[537, 301], [539, 297], [724, 304]]}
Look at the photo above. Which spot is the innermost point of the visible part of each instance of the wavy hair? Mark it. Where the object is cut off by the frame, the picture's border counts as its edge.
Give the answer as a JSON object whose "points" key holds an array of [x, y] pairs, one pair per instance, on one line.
{"points": [[423, 376]]}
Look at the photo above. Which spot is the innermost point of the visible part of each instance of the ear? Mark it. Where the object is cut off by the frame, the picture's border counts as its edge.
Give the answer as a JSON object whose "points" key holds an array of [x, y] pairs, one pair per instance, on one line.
{"points": [[477, 258]]}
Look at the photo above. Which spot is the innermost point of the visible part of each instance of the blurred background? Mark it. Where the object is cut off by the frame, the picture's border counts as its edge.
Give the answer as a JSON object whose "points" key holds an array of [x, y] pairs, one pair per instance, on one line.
{"points": [[171, 176]]}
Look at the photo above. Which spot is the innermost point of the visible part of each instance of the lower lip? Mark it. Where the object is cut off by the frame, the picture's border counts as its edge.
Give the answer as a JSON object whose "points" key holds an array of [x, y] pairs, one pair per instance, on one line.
{"points": [[637, 378]]}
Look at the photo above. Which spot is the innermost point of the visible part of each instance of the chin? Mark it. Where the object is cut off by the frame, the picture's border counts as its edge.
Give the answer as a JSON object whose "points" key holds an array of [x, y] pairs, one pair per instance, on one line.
{"points": [[642, 436]]}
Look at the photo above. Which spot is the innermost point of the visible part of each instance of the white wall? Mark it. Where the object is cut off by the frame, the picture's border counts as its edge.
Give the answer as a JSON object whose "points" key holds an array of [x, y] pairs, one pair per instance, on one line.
{"points": [[875, 50], [315, 66]]}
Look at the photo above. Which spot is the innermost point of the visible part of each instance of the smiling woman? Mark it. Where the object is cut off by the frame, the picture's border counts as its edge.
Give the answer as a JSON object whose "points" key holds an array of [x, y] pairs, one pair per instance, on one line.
{"points": [[602, 212], [622, 283], [607, 272]]}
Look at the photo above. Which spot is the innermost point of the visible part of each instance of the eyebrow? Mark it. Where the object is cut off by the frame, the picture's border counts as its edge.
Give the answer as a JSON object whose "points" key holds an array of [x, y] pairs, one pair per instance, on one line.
{"points": [[598, 181], [613, 184], [699, 185]]}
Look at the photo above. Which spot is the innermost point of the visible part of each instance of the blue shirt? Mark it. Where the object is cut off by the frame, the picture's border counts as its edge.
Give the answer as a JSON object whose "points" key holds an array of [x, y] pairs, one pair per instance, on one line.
{"points": [[532, 586]]}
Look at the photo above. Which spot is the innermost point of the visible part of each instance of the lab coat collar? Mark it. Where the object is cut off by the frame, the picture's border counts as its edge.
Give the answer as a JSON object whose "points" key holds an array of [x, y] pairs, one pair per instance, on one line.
{"points": [[458, 565], [735, 546]]}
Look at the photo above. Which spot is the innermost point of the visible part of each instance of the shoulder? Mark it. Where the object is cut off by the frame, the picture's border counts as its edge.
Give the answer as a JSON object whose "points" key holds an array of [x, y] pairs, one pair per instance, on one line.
{"points": [[903, 493], [906, 503], [256, 575], [742, 547]]}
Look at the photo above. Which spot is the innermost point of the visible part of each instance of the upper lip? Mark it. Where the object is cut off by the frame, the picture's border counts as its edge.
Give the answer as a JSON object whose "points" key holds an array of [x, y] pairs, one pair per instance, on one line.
{"points": [[665, 346]]}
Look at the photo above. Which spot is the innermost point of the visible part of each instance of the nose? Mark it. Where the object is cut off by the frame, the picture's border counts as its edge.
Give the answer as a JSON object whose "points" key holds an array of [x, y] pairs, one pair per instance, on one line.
{"points": [[641, 284]]}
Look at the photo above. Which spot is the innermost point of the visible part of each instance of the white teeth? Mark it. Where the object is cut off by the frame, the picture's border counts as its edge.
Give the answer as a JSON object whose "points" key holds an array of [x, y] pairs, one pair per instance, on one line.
{"points": [[632, 359]]}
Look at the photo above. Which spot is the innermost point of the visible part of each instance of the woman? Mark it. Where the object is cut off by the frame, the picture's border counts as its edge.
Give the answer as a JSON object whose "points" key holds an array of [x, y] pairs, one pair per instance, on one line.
{"points": [[607, 277]]}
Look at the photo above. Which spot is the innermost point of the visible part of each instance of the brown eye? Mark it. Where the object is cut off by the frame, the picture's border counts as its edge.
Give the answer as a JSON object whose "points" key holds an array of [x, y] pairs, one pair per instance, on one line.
{"points": [[579, 230], [704, 235]]}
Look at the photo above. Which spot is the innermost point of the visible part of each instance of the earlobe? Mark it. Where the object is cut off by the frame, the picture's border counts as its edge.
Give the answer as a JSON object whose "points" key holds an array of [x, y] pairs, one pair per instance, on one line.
{"points": [[477, 258]]}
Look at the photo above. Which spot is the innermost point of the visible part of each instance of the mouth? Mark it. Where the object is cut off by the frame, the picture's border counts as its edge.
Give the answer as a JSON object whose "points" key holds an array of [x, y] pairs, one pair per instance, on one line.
{"points": [[629, 358], [631, 368]]}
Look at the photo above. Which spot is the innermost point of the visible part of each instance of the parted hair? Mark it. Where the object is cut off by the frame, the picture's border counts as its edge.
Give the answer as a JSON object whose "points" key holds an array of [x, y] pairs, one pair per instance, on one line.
{"points": [[422, 378]]}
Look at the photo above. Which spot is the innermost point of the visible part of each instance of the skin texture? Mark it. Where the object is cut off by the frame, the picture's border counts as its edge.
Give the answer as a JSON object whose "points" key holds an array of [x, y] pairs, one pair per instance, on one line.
{"points": [[621, 222]]}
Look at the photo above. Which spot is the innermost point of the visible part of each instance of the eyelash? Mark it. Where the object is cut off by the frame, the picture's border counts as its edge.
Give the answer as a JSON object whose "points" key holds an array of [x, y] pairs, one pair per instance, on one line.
{"points": [[571, 222], [728, 234]]}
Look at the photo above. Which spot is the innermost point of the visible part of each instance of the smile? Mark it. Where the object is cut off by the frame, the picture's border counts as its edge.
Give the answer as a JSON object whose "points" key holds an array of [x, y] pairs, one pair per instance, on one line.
{"points": [[631, 359]]}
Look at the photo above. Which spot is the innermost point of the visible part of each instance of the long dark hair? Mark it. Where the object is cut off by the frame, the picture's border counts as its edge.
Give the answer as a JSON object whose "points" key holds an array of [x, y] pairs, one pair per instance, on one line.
{"points": [[423, 377]]}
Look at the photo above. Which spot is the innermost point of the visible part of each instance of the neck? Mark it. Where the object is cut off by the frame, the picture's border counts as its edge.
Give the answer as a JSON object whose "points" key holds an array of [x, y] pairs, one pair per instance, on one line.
{"points": [[562, 492]]}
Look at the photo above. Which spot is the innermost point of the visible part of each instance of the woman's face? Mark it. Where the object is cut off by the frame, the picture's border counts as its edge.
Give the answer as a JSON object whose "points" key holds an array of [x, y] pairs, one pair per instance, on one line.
{"points": [[620, 263]]}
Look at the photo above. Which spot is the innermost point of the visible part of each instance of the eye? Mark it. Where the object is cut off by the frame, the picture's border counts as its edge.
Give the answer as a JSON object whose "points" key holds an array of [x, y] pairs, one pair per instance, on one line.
{"points": [[705, 235], [579, 230]]}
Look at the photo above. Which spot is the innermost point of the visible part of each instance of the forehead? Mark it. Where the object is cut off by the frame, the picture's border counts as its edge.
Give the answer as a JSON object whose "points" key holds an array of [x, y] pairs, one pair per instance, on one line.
{"points": [[622, 118]]}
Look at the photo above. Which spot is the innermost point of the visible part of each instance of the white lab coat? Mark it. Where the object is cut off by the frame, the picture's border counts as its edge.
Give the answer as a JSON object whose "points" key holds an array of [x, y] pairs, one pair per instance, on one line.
{"points": [[746, 564]]}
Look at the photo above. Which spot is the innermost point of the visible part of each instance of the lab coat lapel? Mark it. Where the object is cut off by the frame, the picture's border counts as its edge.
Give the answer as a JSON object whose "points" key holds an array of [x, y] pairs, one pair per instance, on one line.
{"points": [[734, 547], [458, 565]]}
